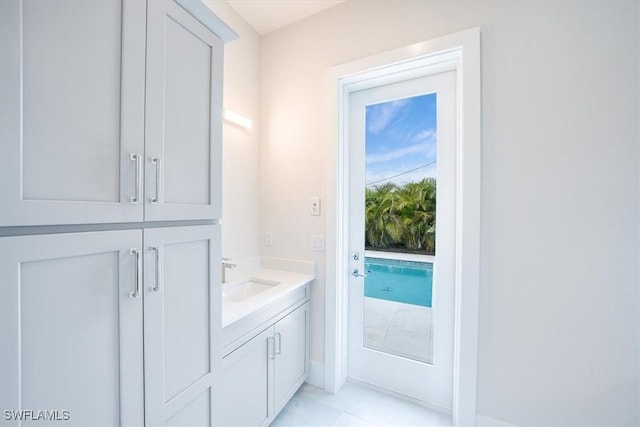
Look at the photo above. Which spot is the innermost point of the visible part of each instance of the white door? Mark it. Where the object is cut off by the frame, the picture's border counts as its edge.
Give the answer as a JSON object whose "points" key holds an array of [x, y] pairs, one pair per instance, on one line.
{"points": [[71, 329], [183, 116], [181, 319], [401, 315], [71, 111]]}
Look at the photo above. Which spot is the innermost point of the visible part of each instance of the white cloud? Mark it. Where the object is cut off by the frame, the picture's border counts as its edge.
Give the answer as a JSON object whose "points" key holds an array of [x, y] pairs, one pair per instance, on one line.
{"points": [[383, 114], [427, 135], [395, 154], [426, 145]]}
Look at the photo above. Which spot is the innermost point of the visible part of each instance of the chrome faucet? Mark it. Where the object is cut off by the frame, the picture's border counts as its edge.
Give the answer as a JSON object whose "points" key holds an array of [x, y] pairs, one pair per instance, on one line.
{"points": [[226, 264]]}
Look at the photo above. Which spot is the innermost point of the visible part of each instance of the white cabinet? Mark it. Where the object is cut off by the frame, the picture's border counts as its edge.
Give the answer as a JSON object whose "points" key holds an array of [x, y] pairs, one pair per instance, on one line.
{"points": [[71, 325], [245, 396], [183, 116], [181, 323], [71, 111], [261, 375], [110, 112], [291, 355]]}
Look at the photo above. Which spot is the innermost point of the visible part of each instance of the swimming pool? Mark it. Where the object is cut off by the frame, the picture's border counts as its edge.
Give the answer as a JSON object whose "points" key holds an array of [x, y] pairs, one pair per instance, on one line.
{"points": [[409, 282]]}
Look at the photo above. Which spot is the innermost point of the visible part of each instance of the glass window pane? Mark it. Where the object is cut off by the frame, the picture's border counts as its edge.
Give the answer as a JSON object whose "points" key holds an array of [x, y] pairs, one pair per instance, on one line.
{"points": [[400, 226]]}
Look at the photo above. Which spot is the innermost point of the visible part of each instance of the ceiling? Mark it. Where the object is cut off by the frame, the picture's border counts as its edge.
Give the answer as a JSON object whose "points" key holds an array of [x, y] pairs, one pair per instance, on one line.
{"points": [[266, 16]]}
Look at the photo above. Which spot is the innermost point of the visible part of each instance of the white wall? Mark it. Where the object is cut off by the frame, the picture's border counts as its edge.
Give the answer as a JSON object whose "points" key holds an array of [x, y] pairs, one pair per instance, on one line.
{"points": [[559, 323], [241, 165]]}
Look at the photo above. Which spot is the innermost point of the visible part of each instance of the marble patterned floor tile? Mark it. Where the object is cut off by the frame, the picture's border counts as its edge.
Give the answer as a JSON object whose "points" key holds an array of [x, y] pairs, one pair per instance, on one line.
{"points": [[387, 410], [356, 404], [337, 401], [301, 412], [346, 420]]}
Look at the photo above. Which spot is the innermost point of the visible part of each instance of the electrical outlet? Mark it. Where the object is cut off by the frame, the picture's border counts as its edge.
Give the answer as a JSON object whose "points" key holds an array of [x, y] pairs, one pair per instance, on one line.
{"points": [[317, 243], [268, 238]]}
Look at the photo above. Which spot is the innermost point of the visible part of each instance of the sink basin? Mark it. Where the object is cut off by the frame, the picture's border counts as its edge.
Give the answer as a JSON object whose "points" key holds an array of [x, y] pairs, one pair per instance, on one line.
{"points": [[246, 289]]}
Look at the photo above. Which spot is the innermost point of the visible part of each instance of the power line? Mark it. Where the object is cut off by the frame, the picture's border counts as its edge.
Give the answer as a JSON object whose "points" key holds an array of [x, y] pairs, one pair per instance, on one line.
{"points": [[400, 174]]}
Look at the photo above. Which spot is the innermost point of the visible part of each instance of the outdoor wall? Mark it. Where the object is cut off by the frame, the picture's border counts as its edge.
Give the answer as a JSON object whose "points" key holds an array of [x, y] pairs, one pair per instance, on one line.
{"points": [[241, 165], [559, 324]]}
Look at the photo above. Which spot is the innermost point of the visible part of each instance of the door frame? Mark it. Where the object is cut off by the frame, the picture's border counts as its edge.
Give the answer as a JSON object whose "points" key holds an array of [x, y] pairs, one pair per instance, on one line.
{"points": [[459, 52]]}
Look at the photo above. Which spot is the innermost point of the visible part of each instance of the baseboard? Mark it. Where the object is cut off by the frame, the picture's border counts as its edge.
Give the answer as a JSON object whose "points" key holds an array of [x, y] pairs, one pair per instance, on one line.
{"points": [[482, 421], [316, 374]]}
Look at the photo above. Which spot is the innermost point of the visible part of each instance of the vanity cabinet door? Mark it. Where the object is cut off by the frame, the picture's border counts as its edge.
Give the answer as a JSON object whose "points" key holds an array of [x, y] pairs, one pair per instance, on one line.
{"points": [[291, 354], [261, 376], [181, 323], [71, 111], [71, 328], [183, 116], [245, 396]]}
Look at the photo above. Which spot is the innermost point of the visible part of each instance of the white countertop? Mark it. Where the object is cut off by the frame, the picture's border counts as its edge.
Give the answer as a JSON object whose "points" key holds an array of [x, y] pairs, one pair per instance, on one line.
{"points": [[289, 282]]}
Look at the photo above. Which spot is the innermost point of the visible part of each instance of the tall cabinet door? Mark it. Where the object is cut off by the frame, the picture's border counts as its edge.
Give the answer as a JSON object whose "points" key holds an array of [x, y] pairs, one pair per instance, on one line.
{"points": [[183, 116], [71, 111], [71, 328], [181, 321]]}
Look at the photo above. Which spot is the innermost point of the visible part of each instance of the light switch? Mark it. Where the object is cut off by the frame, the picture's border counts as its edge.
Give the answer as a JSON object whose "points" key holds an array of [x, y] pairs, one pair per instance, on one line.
{"points": [[315, 206], [317, 243], [268, 238]]}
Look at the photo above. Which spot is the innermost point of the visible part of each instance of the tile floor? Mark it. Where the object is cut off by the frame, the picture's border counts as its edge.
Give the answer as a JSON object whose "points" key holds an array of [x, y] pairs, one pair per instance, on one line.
{"points": [[355, 405], [402, 329]]}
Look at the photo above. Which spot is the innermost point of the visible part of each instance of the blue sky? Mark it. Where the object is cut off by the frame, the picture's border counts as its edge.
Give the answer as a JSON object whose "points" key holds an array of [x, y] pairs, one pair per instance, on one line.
{"points": [[401, 136]]}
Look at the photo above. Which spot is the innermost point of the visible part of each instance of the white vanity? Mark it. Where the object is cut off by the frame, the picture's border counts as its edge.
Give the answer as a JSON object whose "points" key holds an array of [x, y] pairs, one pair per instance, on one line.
{"points": [[265, 341]]}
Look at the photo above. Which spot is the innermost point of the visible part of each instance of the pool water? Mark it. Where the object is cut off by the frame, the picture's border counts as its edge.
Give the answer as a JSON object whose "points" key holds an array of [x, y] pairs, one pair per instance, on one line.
{"points": [[408, 282]]}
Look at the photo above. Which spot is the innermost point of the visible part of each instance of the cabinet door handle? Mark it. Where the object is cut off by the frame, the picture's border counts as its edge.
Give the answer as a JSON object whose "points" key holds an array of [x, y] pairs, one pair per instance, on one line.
{"points": [[270, 347], [138, 159], [156, 162], [136, 292], [279, 341], [156, 249]]}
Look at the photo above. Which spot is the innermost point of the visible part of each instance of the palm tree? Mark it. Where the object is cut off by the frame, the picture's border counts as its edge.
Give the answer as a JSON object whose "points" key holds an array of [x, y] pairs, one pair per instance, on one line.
{"points": [[417, 210], [381, 223], [402, 216]]}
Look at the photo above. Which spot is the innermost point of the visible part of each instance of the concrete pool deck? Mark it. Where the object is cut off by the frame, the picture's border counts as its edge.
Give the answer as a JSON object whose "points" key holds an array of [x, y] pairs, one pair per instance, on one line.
{"points": [[402, 329]]}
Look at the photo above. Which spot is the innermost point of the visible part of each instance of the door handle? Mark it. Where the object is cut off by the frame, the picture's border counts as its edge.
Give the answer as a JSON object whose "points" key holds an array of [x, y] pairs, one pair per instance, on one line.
{"points": [[156, 249], [356, 273], [271, 347], [136, 292], [156, 162], [138, 159], [279, 343]]}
